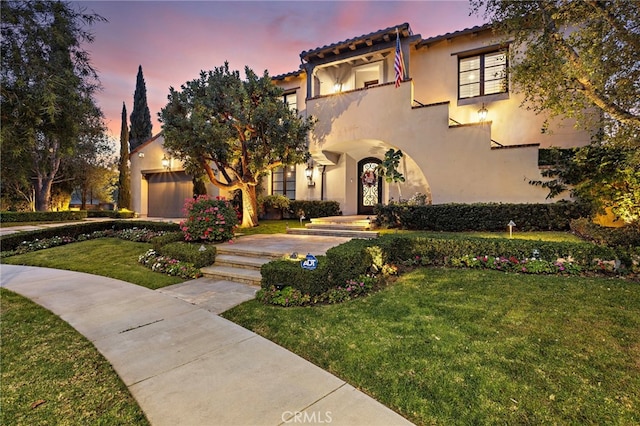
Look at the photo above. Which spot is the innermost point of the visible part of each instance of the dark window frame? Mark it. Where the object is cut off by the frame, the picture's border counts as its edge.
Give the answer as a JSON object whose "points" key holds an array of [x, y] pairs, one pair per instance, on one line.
{"points": [[279, 175], [482, 80]]}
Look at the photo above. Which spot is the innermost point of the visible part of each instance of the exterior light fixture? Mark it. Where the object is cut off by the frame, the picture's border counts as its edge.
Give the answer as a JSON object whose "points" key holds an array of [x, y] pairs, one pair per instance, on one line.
{"points": [[482, 113], [309, 174], [166, 162], [511, 225], [141, 155], [337, 87]]}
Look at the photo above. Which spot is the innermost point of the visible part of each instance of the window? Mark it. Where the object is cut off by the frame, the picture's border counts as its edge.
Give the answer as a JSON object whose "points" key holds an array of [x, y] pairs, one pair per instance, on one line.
{"points": [[484, 74], [283, 181], [291, 100]]}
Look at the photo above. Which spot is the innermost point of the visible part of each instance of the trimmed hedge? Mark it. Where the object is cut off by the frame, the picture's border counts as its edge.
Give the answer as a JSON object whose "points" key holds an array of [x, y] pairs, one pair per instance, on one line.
{"points": [[315, 208], [626, 236], [170, 237], [283, 273], [64, 216], [348, 261], [111, 213], [200, 255], [11, 241], [480, 217]]}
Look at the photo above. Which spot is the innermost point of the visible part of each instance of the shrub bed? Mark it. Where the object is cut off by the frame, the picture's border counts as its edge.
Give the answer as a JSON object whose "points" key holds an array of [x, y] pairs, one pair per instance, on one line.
{"points": [[173, 258], [11, 241], [168, 265], [14, 217], [479, 217], [285, 283]]}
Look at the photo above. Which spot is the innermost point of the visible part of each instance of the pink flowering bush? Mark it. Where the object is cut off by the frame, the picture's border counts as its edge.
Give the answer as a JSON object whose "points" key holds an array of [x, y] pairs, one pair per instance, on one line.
{"points": [[209, 219]]}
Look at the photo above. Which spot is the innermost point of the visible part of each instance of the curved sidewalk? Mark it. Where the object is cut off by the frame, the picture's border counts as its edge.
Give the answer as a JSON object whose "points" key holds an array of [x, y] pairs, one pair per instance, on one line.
{"points": [[187, 366]]}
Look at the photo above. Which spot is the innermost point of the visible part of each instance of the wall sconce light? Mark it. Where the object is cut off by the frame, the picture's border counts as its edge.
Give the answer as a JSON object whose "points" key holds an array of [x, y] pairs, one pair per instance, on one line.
{"points": [[309, 174], [337, 87], [482, 113], [141, 155], [166, 162]]}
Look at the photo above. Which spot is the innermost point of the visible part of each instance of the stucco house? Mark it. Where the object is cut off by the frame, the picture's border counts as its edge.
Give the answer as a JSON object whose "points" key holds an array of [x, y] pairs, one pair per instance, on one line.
{"points": [[465, 136]]}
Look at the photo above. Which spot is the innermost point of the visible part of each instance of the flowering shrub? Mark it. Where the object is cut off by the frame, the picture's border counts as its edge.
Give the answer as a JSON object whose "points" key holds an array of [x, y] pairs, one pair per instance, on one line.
{"points": [[350, 290], [288, 296], [28, 246], [209, 219], [169, 266], [137, 235], [533, 265]]}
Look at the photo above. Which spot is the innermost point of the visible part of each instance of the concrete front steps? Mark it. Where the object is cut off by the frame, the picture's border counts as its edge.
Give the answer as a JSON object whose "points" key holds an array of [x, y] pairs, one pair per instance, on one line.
{"points": [[338, 226], [242, 262], [240, 266]]}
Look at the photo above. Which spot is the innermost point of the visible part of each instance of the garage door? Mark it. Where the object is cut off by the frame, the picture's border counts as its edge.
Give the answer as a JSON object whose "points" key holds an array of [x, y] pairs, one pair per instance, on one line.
{"points": [[167, 192]]}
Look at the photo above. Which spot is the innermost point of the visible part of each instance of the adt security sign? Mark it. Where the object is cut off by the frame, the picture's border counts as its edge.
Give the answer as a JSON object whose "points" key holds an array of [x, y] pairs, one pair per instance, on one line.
{"points": [[310, 262]]}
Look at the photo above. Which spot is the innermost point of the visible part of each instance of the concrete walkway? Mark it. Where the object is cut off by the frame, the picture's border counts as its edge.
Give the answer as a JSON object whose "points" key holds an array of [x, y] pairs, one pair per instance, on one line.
{"points": [[187, 366]]}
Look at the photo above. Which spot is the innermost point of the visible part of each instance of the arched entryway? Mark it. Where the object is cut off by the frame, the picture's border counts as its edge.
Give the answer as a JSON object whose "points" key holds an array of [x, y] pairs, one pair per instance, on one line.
{"points": [[369, 185]]}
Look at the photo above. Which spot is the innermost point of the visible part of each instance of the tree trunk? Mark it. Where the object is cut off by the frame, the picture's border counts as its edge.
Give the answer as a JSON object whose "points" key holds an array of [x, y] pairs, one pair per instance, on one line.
{"points": [[83, 199], [43, 194], [249, 207]]}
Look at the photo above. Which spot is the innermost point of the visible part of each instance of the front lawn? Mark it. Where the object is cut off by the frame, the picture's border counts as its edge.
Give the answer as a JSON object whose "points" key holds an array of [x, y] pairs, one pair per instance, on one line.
{"points": [[109, 257], [53, 375], [449, 346]]}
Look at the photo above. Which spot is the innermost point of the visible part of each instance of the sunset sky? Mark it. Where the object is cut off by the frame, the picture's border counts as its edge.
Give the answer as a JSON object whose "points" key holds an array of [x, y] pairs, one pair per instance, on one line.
{"points": [[175, 40]]}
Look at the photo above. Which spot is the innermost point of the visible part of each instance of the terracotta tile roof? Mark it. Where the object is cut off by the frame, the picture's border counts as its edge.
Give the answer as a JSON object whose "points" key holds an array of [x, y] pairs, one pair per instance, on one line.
{"points": [[350, 44], [466, 31], [145, 143], [289, 74]]}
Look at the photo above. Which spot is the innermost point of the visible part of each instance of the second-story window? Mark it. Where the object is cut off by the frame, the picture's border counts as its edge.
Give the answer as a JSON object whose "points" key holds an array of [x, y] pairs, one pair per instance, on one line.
{"points": [[483, 74]]}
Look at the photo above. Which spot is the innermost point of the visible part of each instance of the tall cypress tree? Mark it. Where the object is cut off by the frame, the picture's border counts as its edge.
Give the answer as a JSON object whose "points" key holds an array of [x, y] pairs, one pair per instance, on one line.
{"points": [[140, 117], [124, 186]]}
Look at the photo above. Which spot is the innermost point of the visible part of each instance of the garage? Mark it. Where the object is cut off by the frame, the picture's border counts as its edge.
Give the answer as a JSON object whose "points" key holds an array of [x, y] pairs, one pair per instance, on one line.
{"points": [[167, 193]]}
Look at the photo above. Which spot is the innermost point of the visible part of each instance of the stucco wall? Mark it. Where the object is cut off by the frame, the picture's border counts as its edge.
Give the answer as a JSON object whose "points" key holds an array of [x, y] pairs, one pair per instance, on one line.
{"points": [[456, 164], [434, 70], [148, 159]]}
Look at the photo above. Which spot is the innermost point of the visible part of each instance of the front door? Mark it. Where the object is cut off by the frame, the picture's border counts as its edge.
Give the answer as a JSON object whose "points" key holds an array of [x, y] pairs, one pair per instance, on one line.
{"points": [[369, 185]]}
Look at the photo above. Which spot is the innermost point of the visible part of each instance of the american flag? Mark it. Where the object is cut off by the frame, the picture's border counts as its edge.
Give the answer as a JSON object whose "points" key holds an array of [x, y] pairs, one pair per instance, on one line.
{"points": [[398, 63]]}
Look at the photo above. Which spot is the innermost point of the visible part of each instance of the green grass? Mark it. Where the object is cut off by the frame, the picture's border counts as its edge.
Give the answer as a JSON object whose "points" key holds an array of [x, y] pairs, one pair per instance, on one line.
{"points": [[53, 375], [109, 257], [445, 346], [271, 227]]}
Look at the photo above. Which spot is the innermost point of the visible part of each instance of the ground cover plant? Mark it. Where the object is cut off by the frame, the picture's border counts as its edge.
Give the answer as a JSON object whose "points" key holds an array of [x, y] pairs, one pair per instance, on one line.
{"points": [[458, 346], [53, 375]]}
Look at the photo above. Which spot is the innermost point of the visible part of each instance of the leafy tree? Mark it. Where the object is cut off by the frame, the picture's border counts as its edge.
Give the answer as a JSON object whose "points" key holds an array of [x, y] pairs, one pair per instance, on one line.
{"points": [[569, 57], [580, 59], [233, 131], [140, 116], [124, 185], [46, 92], [389, 168]]}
